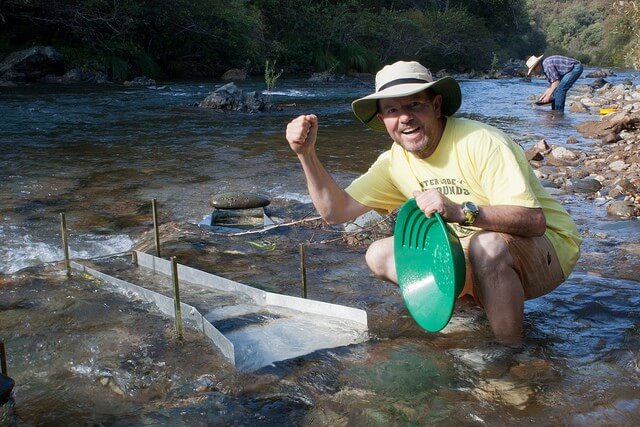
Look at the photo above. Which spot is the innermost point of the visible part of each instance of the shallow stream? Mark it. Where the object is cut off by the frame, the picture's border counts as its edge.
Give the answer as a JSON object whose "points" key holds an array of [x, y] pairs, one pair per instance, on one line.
{"points": [[83, 355]]}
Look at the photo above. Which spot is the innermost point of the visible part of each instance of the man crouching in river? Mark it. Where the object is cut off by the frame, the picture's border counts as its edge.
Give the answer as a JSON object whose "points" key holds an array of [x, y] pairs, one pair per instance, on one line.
{"points": [[518, 241]]}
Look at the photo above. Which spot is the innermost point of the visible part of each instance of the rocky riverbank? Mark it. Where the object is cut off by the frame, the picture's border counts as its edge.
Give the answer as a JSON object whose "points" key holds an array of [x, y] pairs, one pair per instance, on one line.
{"points": [[610, 171]]}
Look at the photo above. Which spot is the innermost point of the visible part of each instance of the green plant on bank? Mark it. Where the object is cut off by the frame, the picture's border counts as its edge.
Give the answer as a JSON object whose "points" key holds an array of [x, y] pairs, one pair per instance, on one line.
{"points": [[270, 75], [495, 63]]}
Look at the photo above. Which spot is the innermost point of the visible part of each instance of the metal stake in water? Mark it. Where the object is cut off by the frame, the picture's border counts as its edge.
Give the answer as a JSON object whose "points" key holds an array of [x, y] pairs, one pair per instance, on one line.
{"points": [[155, 226], [303, 271], [176, 297], [3, 359], [65, 243], [134, 258]]}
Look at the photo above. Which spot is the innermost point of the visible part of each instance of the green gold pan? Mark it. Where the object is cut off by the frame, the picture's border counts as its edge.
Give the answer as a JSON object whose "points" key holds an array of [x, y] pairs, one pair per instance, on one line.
{"points": [[430, 265]]}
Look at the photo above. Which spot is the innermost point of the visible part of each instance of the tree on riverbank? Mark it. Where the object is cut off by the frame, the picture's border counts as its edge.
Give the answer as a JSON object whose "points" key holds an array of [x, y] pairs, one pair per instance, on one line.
{"points": [[598, 32], [628, 29]]}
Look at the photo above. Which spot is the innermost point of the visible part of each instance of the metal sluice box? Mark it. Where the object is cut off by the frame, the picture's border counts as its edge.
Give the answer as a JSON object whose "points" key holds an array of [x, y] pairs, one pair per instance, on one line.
{"points": [[252, 328]]}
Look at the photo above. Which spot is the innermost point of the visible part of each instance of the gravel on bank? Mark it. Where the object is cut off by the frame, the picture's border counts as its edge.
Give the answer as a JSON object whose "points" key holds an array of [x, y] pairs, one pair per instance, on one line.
{"points": [[608, 172]]}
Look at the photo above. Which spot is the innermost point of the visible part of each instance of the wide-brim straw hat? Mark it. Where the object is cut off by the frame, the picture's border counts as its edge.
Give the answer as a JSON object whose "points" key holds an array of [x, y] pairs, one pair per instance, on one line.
{"points": [[402, 79], [532, 62]]}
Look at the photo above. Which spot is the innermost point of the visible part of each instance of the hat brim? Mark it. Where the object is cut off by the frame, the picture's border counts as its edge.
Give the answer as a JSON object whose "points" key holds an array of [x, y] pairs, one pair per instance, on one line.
{"points": [[534, 65], [366, 108]]}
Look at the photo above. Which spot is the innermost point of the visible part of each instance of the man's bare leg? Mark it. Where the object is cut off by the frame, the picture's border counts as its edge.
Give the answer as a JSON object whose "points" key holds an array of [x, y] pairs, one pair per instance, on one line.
{"points": [[498, 286], [497, 283]]}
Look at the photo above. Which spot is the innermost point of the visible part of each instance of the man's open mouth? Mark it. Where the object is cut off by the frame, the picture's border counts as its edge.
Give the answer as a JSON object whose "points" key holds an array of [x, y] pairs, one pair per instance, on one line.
{"points": [[410, 131]]}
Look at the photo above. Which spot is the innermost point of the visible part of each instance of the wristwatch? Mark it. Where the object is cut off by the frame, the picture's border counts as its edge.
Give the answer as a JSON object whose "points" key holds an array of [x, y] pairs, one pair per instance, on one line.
{"points": [[471, 211]]}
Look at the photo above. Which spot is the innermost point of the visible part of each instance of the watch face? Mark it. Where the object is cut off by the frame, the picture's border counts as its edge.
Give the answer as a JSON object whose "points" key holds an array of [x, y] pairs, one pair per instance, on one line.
{"points": [[471, 211], [471, 207]]}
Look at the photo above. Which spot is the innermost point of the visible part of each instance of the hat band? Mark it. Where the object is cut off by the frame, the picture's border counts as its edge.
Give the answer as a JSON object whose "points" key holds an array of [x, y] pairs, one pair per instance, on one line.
{"points": [[401, 82]]}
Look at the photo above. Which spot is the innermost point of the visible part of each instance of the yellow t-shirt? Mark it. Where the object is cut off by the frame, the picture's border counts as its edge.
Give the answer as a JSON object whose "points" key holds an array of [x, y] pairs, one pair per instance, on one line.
{"points": [[473, 162]]}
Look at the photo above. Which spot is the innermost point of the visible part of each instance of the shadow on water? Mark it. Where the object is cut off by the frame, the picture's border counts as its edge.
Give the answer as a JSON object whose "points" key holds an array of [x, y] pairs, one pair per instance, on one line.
{"points": [[83, 355]]}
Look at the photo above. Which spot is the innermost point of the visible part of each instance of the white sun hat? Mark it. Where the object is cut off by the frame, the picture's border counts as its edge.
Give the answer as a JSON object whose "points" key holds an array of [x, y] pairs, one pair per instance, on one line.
{"points": [[532, 62], [402, 79]]}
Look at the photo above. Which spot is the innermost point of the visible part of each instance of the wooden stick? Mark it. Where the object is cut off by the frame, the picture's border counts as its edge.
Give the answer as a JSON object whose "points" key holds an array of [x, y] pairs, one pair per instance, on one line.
{"points": [[303, 271], [65, 244], [155, 226], [176, 297]]}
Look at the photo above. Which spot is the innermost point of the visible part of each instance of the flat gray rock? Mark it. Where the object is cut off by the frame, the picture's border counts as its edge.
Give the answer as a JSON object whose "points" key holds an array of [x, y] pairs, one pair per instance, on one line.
{"points": [[586, 185], [239, 200]]}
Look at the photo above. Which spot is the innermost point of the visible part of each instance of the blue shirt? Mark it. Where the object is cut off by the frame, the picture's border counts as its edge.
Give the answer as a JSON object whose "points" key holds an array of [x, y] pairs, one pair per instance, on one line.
{"points": [[556, 66]]}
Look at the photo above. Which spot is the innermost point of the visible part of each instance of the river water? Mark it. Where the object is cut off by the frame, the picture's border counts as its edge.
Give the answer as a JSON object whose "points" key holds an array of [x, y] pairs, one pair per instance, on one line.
{"points": [[82, 355]]}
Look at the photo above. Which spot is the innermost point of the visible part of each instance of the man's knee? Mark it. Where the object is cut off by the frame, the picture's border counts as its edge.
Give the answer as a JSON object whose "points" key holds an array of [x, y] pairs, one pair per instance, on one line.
{"points": [[488, 250], [380, 258]]}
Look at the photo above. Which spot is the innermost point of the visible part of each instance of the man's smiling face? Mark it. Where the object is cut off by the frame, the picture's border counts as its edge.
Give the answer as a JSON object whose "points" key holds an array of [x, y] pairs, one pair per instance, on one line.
{"points": [[414, 122]]}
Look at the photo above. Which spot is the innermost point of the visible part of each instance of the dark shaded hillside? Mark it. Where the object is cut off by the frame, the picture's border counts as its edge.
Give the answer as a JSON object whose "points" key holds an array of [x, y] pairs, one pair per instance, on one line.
{"points": [[204, 38], [189, 38]]}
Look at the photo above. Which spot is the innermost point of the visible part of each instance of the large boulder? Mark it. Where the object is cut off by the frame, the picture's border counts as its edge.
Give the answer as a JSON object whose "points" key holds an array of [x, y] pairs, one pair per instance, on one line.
{"points": [[31, 64], [598, 74], [622, 208], [611, 123], [234, 74], [230, 98], [77, 75]]}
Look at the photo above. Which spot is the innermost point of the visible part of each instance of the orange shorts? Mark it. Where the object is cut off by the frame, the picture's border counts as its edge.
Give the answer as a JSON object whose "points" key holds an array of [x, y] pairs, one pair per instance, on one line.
{"points": [[535, 262]]}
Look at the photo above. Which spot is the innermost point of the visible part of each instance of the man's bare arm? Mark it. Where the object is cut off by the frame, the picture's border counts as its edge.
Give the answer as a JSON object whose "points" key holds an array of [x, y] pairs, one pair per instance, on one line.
{"points": [[332, 202], [516, 220]]}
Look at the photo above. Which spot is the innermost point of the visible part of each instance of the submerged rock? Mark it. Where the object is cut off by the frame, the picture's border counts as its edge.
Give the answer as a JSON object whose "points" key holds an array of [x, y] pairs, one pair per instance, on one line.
{"points": [[513, 393]]}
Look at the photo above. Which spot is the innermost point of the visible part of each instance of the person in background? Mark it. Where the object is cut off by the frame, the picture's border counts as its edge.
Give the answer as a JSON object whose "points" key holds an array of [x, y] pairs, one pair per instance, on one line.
{"points": [[519, 242], [561, 71]]}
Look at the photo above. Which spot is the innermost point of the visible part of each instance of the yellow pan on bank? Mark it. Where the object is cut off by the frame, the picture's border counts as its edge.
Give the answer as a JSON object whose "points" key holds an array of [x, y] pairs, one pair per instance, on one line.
{"points": [[604, 111]]}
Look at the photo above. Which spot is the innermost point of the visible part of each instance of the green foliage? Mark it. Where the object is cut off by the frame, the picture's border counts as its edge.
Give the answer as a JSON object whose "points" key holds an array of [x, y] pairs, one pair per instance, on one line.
{"points": [[145, 65], [576, 29], [495, 63], [132, 37], [116, 67], [270, 75], [627, 32], [449, 36], [595, 31], [78, 55], [180, 38]]}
